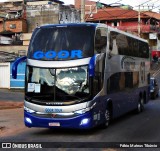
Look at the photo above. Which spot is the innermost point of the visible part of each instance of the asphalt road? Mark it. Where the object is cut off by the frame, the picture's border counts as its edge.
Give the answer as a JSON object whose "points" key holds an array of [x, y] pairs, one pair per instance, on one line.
{"points": [[11, 95], [143, 127]]}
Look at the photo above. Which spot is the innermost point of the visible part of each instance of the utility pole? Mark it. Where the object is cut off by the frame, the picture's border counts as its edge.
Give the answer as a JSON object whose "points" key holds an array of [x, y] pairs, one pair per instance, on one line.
{"points": [[82, 10], [139, 17], [139, 21]]}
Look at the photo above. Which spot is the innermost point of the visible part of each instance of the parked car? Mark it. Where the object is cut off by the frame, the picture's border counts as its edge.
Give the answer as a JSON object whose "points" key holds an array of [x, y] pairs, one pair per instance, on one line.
{"points": [[154, 88]]}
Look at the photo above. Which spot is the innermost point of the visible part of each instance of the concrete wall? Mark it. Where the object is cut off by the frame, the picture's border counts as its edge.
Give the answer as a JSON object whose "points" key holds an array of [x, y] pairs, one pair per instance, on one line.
{"points": [[51, 14], [45, 17], [5, 75], [68, 14], [40, 16]]}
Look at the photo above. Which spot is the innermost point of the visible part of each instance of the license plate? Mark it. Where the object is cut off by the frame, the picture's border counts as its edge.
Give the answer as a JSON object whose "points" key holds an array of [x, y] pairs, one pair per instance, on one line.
{"points": [[54, 124]]}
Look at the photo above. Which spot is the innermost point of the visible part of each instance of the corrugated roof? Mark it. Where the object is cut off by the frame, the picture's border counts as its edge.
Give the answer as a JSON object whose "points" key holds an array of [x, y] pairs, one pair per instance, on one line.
{"points": [[152, 14], [115, 13]]}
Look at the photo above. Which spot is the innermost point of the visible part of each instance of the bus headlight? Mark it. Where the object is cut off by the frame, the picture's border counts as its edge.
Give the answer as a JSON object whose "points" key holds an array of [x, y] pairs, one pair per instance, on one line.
{"points": [[28, 120], [85, 110], [84, 121], [152, 90]]}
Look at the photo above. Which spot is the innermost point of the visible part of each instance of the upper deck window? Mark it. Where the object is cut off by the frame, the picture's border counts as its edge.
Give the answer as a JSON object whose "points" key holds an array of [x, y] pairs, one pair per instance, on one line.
{"points": [[125, 45], [100, 40], [62, 43]]}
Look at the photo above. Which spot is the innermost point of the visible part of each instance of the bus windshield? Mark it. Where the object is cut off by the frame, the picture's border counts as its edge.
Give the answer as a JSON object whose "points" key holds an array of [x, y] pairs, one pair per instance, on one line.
{"points": [[53, 85], [58, 43]]}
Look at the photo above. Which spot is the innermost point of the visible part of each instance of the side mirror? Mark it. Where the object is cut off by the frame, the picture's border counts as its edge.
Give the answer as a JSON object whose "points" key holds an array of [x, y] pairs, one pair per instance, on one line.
{"points": [[15, 65]]}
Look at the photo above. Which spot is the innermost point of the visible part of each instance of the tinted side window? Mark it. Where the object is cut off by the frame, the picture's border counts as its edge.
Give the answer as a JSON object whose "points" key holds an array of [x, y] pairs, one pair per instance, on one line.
{"points": [[113, 83], [100, 40], [128, 45], [143, 49], [121, 43], [128, 80], [58, 43], [133, 47], [122, 81]]}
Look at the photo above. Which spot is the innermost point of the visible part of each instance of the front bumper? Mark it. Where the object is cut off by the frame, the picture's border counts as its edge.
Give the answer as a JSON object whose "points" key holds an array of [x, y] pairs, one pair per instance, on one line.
{"points": [[74, 122]]}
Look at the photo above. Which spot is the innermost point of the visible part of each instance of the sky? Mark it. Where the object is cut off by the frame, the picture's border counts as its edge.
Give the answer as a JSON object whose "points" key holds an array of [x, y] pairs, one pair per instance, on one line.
{"points": [[148, 3]]}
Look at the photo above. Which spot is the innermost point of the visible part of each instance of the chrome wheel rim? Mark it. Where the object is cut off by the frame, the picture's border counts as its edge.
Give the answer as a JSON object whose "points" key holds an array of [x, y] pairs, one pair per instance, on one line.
{"points": [[139, 107]]}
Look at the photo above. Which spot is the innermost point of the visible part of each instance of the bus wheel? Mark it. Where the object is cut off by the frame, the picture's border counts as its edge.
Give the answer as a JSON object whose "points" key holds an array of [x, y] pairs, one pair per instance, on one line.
{"points": [[140, 106], [107, 118]]}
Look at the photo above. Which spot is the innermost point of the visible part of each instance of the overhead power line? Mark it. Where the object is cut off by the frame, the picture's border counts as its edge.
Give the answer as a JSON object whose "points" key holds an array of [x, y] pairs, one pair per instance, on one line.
{"points": [[156, 7], [154, 2], [126, 11], [144, 3], [139, 18], [92, 11], [115, 2]]}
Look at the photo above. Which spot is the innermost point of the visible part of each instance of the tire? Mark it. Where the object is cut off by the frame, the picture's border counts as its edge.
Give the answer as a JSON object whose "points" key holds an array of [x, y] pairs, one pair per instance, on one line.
{"points": [[107, 118], [140, 106], [157, 95]]}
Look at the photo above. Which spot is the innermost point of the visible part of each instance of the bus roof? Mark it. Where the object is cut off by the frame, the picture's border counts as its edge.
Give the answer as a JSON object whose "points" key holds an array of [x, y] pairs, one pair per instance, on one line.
{"points": [[68, 25], [127, 34], [96, 25]]}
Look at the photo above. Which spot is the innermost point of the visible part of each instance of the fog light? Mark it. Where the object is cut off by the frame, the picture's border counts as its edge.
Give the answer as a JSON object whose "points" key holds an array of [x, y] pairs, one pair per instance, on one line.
{"points": [[28, 120], [84, 121]]}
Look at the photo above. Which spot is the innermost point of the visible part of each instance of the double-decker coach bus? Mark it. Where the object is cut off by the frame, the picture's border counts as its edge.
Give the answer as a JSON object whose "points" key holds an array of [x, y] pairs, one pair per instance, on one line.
{"points": [[83, 75]]}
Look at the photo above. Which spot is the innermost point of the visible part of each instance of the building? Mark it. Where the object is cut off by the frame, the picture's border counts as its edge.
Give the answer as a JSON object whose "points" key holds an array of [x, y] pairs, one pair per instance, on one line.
{"points": [[18, 19], [127, 20]]}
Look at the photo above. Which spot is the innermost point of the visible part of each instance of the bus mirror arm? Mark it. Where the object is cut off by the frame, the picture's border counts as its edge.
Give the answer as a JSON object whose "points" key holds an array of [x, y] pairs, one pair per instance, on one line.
{"points": [[15, 65]]}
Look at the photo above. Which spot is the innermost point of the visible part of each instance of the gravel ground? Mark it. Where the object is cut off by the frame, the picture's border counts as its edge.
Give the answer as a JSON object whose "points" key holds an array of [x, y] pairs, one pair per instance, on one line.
{"points": [[11, 121], [10, 105]]}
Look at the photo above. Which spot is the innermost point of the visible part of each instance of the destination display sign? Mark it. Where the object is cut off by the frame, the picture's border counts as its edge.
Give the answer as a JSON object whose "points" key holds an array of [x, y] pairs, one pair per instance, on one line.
{"points": [[62, 54]]}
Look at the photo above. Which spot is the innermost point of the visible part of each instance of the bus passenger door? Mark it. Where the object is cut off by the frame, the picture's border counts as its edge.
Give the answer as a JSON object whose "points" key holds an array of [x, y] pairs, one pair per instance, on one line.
{"points": [[98, 79], [100, 53]]}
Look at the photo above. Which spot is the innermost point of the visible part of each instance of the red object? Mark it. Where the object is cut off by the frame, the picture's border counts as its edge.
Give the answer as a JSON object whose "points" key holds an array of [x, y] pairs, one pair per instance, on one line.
{"points": [[155, 52]]}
